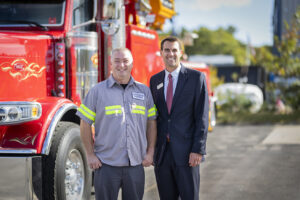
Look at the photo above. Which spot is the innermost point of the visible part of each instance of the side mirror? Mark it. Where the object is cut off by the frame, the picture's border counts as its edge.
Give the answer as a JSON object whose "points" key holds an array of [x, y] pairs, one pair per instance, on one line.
{"points": [[95, 6], [110, 26], [111, 10]]}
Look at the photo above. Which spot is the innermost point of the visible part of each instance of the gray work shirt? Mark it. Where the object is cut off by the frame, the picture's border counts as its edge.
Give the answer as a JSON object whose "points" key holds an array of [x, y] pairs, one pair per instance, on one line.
{"points": [[120, 119]]}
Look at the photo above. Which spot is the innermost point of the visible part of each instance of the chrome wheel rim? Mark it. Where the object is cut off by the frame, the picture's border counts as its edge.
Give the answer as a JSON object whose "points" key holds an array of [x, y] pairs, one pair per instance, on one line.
{"points": [[74, 175]]}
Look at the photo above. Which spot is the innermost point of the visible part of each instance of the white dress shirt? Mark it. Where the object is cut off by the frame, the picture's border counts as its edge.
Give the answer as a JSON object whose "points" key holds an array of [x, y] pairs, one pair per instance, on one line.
{"points": [[175, 75]]}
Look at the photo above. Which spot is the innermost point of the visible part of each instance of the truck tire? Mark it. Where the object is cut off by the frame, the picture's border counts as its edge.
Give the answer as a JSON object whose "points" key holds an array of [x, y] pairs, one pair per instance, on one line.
{"points": [[66, 175]]}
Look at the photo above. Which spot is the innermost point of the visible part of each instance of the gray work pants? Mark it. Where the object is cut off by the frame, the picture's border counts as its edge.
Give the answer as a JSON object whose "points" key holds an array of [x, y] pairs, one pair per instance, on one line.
{"points": [[108, 180]]}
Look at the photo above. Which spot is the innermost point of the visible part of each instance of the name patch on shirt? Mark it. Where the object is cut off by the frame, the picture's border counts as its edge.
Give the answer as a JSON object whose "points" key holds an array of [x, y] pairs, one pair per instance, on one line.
{"points": [[137, 95], [160, 86]]}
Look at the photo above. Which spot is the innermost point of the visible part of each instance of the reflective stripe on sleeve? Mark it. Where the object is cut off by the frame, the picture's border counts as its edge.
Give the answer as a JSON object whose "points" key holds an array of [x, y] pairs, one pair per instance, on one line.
{"points": [[152, 111], [86, 109], [87, 115]]}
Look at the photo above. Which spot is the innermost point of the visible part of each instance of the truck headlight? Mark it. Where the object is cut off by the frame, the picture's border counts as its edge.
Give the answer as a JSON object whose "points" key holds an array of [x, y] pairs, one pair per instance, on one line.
{"points": [[13, 113], [2, 114], [17, 112]]}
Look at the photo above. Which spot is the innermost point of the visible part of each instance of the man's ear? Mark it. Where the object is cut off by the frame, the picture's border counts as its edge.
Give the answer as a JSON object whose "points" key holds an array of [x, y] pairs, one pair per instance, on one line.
{"points": [[181, 53]]}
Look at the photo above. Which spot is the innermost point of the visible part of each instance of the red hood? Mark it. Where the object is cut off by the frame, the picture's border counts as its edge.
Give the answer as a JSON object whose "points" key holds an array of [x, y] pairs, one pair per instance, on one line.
{"points": [[26, 65]]}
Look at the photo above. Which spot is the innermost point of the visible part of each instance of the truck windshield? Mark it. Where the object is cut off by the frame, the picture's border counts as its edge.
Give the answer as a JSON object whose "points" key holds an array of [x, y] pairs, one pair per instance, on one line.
{"points": [[41, 12]]}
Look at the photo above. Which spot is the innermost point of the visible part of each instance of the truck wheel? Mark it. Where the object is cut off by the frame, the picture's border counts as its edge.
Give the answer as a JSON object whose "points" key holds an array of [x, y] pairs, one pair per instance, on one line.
{"points": [[66, 175]]}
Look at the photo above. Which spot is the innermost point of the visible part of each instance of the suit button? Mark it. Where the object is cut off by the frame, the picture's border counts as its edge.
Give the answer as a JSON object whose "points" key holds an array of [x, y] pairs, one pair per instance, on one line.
{"points": [[169, 120]]}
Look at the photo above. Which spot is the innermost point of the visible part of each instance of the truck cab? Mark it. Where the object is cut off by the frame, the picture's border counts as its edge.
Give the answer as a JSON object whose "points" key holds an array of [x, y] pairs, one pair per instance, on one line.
{"points": [[51, 53]]}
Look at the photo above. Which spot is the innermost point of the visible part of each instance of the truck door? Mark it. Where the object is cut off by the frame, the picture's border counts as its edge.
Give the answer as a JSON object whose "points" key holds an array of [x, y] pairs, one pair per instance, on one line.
{"points": [[82, 48]]}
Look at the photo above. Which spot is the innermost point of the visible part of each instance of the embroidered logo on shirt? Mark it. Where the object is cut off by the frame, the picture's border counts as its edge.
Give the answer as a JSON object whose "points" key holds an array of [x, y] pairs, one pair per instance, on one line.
{"points": [[160, 86], [137, 95]]}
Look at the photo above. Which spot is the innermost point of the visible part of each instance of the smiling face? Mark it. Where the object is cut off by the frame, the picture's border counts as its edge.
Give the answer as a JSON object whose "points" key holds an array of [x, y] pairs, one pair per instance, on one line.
{"points": [[121, 65], [171, 54]]}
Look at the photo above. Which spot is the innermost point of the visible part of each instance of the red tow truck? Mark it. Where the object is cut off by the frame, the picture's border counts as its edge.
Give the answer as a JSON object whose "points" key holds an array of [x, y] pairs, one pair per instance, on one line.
{"points": [[51, 53], [204, 68]]}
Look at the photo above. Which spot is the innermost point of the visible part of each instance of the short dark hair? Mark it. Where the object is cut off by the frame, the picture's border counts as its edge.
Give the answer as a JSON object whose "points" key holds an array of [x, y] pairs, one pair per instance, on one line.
{"points": [[170, 39]]}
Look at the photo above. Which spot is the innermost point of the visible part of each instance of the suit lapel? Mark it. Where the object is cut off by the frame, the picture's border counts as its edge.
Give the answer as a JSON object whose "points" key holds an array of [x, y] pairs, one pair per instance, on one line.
{"points": [[180, 84], [161, 94]]}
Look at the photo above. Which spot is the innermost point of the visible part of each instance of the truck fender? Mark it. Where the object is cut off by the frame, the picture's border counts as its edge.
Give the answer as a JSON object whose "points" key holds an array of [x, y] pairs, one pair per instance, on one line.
{"points": [[66, 113]]}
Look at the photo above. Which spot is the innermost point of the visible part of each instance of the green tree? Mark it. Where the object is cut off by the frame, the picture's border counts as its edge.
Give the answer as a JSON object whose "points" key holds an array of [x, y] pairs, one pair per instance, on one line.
{"points": [[231, 29], [285, 63], [263, 57], [220, 41]]}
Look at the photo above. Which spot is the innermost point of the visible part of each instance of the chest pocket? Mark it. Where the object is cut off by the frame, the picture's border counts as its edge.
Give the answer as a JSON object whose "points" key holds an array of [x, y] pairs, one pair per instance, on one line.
{"points": [[138, 112], [138, 109]]}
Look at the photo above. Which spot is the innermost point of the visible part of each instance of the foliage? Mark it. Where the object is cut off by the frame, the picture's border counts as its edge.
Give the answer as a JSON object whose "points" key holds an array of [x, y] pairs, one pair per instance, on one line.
{"points": [[288, 62], [285, 63], [263, 57], [234, 76], [292, 95], [220, 41], [214, 80], [262, 117], [233, 103]]}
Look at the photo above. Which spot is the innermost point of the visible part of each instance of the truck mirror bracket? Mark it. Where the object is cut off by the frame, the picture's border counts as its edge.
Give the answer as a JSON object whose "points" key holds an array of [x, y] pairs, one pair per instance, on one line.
{"points": [[110, 26]]}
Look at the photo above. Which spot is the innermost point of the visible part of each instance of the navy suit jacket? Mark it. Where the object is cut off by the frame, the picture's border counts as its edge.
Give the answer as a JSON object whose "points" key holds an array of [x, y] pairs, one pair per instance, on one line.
{"points": [[187, 122]]}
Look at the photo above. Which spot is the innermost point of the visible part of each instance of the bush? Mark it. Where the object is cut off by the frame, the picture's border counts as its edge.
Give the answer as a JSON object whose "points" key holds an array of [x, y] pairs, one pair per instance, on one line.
{"points": [[233, 103], [292, 95]]}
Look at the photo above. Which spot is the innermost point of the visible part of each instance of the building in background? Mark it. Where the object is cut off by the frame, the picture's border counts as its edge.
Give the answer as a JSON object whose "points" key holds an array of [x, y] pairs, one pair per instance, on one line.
{"points": [[284, 10], [215, 60]]}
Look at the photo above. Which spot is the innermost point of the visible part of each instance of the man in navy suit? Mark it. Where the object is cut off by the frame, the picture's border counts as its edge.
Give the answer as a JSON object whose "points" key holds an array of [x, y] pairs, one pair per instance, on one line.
{"points": [[181, 97]]}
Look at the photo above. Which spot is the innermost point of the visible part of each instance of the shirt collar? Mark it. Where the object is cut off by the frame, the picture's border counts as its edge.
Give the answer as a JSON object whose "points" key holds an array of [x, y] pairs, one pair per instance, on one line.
{"points": [[174, 73], [112, 81]]}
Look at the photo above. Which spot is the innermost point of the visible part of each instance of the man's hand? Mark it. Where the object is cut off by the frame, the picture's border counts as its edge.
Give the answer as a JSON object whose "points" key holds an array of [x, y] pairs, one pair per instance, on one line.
{"points": [[93, 161], [148, 160], [88, 142], [195, 159], [151, 134]]}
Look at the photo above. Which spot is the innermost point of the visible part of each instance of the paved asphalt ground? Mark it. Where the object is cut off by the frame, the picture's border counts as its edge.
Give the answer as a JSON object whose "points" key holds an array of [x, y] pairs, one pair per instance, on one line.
{"points": [[247, 163]]}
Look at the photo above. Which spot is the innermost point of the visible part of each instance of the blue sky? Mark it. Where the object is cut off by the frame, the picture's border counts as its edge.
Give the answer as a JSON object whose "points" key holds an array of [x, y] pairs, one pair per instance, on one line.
{"points": [[251, 18]]}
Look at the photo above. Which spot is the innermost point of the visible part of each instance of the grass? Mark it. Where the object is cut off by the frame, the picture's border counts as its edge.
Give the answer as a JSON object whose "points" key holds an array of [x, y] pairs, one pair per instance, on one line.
{"points": [[263, 117]]}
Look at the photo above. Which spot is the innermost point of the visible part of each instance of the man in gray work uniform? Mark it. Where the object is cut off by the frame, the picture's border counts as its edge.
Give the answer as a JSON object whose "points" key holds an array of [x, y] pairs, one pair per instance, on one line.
{"points": [[123, 113]]}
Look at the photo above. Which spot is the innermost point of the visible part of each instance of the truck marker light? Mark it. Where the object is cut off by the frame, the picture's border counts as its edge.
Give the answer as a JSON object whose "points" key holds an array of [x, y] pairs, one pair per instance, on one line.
{"points": [[61, 87], [60, 55], [60, 47], [60, 63], [61, 94], [60, 69], [34, 112]]}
